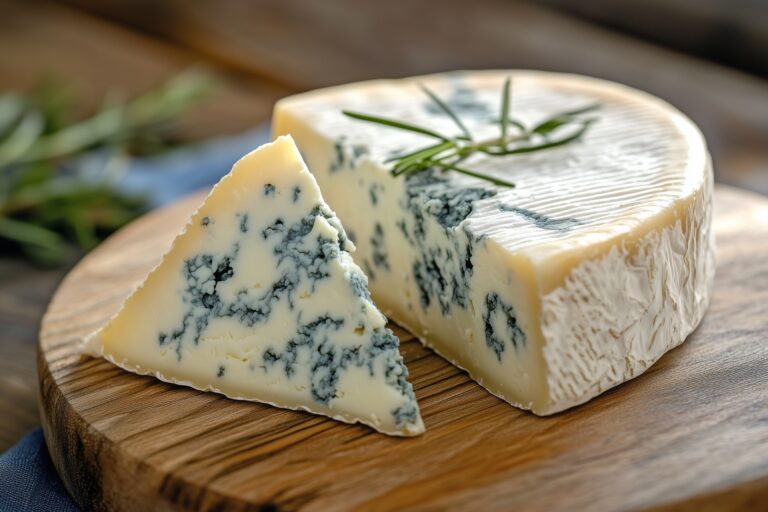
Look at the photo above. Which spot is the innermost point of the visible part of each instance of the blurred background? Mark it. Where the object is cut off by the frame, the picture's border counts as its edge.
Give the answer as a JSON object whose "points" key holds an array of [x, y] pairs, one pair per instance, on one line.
{"points": [[111, 107]]}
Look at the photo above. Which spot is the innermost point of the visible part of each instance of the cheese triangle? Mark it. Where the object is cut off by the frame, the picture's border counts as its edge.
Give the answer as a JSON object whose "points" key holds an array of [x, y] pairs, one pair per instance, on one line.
{"points": [[259, 299]]}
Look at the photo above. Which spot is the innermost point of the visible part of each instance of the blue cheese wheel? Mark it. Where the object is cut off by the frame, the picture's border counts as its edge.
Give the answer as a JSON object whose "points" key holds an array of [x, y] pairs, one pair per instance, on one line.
{"points": [[547, 294]]}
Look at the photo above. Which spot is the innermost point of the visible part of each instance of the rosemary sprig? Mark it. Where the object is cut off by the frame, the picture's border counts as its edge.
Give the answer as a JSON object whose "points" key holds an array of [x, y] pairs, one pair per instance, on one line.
{"points": [[515, 137], [48, 205]]}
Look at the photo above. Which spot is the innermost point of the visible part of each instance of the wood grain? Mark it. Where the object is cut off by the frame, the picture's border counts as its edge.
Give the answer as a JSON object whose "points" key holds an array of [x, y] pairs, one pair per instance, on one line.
{"points": [[733, 33], [24, 293], [96, 58], [693, 429], [304, 44]]}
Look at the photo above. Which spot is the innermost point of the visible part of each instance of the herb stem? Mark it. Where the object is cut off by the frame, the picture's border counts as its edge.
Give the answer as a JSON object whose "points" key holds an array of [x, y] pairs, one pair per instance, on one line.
{"points": [[395, 124], [467, 172], [448, 152], [505, 100], [445, 108]]}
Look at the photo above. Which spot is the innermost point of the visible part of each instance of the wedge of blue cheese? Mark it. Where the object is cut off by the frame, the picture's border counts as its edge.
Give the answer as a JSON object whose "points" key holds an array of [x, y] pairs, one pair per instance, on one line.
{"points": [[580, 278], [259, 299]]}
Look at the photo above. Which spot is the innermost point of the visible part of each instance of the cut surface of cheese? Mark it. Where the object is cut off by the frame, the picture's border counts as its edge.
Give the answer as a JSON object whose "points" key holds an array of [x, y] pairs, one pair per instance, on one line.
{"points": [[598, 262], [259, 299]]}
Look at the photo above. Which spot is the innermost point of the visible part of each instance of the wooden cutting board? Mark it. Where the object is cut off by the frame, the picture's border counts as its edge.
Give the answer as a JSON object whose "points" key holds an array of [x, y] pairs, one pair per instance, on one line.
{"points": [[691, 433]]}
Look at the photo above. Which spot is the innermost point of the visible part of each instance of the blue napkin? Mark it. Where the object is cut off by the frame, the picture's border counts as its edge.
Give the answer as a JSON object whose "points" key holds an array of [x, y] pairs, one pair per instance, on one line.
{"points": [[171, 175], [28, 480]]}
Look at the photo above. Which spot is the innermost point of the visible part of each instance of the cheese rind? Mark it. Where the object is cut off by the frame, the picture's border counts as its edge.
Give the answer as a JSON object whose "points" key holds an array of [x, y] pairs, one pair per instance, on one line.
{"points": [[596, 264], [259, 299]]}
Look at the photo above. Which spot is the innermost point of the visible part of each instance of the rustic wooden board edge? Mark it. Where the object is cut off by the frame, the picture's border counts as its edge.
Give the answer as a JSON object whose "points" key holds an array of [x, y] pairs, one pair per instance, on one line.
{"points": [[751, 495], [81, 453], [72, 444]]}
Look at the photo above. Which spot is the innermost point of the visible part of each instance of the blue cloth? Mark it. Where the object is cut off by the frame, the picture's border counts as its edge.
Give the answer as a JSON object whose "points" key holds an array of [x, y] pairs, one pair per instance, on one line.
{"points": [[28, 480], [171, 175]]}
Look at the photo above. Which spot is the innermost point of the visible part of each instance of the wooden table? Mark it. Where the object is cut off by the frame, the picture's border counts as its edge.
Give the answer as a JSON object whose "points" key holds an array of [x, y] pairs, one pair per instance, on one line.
{"points": [[278, 47]]}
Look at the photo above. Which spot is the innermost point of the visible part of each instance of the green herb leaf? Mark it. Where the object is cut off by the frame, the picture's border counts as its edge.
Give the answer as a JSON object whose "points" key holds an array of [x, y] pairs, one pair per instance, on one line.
{"points": [[11, 109], [445, 108], [582, 110], [505, 100], [46, 203], [395, 124], [44, 245], [422, 154], [550, 125], [564, 118], [544, 145], [467, 172], [22, 138], [446, 154]]}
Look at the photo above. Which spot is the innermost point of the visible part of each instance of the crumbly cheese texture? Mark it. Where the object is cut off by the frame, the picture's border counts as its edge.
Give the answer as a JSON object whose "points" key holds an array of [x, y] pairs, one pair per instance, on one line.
{"points": [[580, 278], [259, 299]]}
